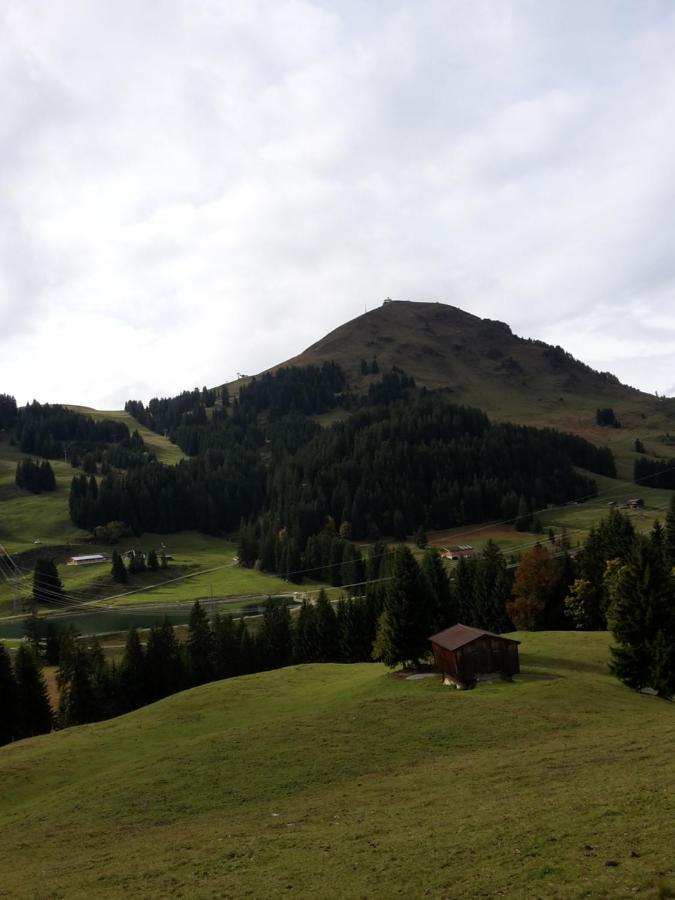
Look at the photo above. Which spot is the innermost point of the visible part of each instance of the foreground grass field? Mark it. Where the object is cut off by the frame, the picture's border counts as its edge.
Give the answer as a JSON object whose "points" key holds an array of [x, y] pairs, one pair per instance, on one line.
{"points": [[343, 781]]}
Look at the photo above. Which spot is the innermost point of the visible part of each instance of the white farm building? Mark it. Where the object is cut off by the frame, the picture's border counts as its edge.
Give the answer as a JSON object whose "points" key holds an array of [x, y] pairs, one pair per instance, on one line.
{"points": [[88, 560]]}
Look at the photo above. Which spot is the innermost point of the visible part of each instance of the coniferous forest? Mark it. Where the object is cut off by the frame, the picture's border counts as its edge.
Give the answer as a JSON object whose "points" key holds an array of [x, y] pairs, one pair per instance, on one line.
{"points": [[398, 458], [394, 460]]}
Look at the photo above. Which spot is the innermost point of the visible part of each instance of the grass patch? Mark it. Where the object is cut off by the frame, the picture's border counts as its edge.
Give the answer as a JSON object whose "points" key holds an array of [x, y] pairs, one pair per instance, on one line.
{"points": [[340, 781], [202, 567]]}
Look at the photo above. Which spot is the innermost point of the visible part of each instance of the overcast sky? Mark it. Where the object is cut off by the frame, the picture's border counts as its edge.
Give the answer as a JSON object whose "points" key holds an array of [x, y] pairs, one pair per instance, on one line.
{"points": [[194, 189]]}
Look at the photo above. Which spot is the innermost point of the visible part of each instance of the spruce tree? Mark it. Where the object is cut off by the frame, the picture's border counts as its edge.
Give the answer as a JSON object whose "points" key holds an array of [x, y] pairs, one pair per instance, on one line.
{"points": [[444, 605], [133, 673], [356, 630], [164, 662], [327, 633], [226, 647], [463, 589], [34, 711], [305, 648], [200, 646], [670, 533], [275, 637], [33, 627], [407, 619], [8, 699], [47, 586], [119, 570], [642, 620], [491, 589], [79, 701], [249, 656]]}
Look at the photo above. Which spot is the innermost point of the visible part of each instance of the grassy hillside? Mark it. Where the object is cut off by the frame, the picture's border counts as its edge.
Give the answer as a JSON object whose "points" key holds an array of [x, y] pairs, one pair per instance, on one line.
{"points": [[25, 517], [28, 517], [481, 363], [343, 781], [202, 566]]}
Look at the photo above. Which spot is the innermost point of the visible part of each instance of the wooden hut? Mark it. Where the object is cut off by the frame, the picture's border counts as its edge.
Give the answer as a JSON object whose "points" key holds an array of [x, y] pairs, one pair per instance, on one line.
{"points": [[465, 655]]}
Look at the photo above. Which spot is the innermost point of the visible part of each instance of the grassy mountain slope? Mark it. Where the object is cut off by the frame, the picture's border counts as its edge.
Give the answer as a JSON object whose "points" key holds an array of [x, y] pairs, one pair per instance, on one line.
{"points": [[482, 363], [28, 517], [342, 781]]}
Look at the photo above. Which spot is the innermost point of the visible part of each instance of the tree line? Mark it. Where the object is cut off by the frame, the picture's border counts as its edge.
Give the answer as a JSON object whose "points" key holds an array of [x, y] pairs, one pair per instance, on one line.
{"points": [[656, 473], [8, 411], [167, 413], [48, 430], [210, 494]]}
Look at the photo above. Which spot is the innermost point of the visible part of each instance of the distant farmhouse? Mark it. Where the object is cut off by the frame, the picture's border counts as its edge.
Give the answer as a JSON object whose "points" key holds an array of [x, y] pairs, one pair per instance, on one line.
{"points": [[465, 655], [88, 560], [461, 551]]}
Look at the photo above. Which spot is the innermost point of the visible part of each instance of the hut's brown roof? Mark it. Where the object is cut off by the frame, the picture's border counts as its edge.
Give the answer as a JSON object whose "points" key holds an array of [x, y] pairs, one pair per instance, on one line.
{"points": [[459, 635]]}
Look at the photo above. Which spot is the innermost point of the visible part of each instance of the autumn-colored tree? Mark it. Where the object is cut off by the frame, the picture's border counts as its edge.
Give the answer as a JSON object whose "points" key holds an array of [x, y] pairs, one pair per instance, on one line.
{"points": [[532, 585]]}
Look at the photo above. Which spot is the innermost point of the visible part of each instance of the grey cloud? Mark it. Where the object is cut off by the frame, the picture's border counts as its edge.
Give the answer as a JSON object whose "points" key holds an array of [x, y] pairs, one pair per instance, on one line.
{"points": [[205, 189]]}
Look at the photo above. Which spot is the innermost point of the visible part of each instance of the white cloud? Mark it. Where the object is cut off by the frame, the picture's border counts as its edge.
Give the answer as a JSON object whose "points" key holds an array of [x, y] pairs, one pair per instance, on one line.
{"points": [[191, 190]]}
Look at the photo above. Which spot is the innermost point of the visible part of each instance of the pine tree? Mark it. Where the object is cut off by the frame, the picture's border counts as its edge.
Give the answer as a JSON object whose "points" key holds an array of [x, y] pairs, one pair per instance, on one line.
{"points": [[327, 633], [464, 583], [133, 673], [275, 638], [79, 702], [305, 648], [119, 570], [492, 588], [164, 662], [249, 657], [47, 586], [8, 699], [444, 605], [642, 620], [33, 628], [407, 619], [35, 715], [670, 533], [226, 647], [200, 646]]}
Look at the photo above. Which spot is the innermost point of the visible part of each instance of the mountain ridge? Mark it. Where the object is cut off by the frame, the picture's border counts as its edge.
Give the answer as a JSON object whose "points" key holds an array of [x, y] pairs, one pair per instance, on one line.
{"points": [[482, 363]]}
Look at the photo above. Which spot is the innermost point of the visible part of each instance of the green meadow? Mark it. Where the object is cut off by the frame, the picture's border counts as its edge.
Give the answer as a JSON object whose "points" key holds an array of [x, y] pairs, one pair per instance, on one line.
{"points": [[344, 781], [201, 567]]}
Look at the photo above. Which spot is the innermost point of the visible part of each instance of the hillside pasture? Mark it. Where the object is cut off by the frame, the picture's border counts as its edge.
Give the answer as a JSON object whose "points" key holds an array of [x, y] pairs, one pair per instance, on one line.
{"points": [[25, 517], [341, 781], [201, 567]]}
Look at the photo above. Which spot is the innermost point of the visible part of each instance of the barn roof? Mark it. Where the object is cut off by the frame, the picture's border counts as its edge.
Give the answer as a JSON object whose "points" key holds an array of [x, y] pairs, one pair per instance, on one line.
{"points": [[460, 635]]}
